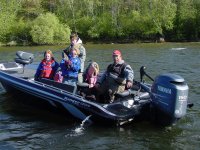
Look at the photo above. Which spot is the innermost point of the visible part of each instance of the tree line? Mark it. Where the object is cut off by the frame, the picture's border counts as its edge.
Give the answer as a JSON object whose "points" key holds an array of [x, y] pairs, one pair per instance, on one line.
{"points": [[29, 22]]}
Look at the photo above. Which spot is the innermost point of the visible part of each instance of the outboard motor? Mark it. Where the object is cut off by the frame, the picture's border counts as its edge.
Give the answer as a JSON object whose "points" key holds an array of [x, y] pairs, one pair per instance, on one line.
{"points": [[24, 58], [169, 97]]}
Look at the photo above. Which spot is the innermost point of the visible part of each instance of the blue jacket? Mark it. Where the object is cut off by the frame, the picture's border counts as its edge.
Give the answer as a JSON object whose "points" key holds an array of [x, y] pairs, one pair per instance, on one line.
{"points": [[70, 70]]}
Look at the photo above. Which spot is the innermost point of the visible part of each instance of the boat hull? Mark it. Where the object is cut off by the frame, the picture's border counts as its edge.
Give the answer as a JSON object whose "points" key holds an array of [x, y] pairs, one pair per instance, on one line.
{"points": [[74, 104], [165, 100]]}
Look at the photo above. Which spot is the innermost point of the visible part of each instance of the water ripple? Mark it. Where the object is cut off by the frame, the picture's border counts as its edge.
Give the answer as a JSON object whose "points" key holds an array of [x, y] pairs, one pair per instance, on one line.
{"points": [[20, 128]]}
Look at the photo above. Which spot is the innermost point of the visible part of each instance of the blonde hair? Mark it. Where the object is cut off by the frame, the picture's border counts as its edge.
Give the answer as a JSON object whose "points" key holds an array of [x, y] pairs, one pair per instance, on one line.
{"points": [[96, 66], [76, 47], [48, 52]]}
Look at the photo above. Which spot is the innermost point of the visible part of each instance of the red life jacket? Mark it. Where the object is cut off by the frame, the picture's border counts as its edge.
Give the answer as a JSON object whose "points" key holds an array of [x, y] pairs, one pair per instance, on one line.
{"points": [[47, 71]]}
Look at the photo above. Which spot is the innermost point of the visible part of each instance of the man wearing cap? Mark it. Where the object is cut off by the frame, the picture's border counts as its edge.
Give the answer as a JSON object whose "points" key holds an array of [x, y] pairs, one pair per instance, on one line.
{"points": [[118, 77]]}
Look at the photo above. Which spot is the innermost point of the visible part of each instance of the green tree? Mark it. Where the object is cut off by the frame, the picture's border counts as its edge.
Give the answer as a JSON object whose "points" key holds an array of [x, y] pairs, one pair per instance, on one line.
{"points": [[22, 20], [8, 11], [30, 9], [186, 22], [20, 32], [47, 29], [156, 15]]}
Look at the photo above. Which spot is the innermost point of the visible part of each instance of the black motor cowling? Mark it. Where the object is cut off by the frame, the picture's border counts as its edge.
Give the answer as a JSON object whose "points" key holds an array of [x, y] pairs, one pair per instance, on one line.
{"points": [[170, 95]]}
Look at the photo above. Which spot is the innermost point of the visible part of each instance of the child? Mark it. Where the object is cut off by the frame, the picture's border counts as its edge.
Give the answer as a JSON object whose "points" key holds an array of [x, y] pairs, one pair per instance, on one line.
{"points": [[91, 74], [70, 66], [47, 67], [90, 77]]}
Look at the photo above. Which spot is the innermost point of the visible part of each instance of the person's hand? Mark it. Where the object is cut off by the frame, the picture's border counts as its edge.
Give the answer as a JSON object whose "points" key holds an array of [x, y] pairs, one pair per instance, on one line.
{"points": [[68, 62], [129, 84], [97, 85], [66, 58]]}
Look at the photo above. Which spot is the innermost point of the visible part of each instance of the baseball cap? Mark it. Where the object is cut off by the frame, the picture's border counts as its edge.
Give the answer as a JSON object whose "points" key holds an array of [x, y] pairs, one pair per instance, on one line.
{"points": [[116, 52]]}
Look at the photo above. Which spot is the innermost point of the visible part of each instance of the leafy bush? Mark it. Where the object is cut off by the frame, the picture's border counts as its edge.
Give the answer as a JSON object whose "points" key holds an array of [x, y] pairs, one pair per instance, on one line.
{"points": [[103, 26], [47, 29], [21, 32], [7, 18]]}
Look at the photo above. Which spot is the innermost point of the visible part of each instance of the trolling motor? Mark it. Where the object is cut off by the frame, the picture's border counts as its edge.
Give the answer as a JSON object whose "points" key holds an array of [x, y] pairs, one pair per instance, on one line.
{"points": [[142, 73]]}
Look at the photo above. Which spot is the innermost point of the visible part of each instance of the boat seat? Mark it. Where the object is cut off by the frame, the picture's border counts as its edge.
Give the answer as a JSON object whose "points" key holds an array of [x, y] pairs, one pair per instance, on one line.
{"points": [[126, 93], [66, 87], [24, 58]]}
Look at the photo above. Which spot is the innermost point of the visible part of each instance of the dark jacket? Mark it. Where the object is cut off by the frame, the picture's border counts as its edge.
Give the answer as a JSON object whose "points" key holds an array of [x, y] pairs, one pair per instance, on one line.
{"points": [[119, 72]]}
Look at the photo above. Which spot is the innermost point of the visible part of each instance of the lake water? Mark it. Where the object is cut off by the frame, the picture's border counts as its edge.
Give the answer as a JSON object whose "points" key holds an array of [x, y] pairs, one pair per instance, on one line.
{"points": [[26, 127]]}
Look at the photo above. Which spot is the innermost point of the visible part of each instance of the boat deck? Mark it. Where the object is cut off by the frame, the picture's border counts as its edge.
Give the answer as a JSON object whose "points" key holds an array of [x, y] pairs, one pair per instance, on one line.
{"points": [[28, 72]]}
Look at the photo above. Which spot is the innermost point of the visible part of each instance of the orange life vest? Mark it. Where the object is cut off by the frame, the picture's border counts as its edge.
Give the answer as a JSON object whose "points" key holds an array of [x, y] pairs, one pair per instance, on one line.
{"points": [[47, 71]]}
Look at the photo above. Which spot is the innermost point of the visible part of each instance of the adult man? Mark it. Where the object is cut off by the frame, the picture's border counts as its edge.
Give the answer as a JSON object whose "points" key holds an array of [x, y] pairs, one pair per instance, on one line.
{"points": [[118, 76], [74, 41]]}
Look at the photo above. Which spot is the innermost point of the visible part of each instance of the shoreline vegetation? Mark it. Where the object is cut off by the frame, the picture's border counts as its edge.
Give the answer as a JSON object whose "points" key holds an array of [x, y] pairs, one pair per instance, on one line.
{"points": [[13, 43], [47, 22]]}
